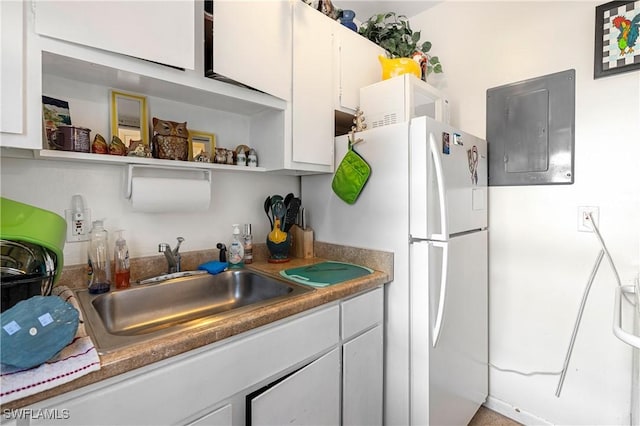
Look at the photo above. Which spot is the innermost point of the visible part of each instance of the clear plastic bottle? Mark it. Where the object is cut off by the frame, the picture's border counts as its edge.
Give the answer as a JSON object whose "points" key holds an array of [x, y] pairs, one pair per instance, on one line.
{"points": [[236, 249], [121, 260], [248, 244], [99, 258]]}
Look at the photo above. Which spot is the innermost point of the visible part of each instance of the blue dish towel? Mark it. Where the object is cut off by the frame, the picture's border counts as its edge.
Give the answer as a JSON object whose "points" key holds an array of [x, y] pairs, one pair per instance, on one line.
{"points": [[214, 267]]}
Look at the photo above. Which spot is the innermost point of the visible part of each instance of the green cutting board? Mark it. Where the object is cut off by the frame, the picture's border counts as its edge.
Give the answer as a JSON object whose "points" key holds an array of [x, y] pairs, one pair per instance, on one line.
{"points": [[325, 273]]}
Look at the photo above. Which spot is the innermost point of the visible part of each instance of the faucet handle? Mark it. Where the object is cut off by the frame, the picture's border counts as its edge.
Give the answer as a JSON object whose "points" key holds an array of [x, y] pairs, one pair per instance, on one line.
{"points": [[180, 240], [162, 247]]}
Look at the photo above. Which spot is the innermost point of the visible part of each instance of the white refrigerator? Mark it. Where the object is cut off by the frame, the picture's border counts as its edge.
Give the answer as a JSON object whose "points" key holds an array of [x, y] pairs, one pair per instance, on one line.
{"points": [[425, 201]]}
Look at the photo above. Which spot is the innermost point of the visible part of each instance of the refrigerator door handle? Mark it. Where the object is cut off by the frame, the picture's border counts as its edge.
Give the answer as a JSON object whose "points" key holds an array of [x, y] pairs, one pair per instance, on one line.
{"points": [[437, 326], [437, 162]]}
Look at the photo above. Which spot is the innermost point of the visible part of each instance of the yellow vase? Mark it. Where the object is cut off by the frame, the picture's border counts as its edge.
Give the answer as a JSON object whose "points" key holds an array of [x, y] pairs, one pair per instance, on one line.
{"points": [[398, 66]]}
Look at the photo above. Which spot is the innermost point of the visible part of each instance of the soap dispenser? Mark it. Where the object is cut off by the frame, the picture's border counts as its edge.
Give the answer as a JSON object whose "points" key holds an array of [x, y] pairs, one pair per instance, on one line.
{"points": [[236, 248], [121, 260]]}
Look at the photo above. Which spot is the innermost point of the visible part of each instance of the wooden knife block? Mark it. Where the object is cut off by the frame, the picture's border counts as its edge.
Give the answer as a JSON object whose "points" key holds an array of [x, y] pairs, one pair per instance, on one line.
{"points": [[302, 242]]}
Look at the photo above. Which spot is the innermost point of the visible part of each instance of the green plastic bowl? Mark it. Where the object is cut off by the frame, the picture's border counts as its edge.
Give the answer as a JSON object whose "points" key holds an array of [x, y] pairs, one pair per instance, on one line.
{"points": [[22, 222]]}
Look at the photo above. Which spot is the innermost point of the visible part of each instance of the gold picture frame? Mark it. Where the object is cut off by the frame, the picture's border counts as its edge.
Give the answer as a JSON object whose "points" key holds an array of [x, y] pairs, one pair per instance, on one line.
{"points": [[129, 117], [201, 146]]}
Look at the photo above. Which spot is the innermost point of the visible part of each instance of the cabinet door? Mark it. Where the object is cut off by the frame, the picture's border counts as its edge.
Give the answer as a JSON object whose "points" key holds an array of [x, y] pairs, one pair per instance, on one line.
{"points": [[358, 66], [252, 44], [160, 31], [12, 62], [220, 417], [310, 396], [362, 379], [313, 114], [20, 80]]}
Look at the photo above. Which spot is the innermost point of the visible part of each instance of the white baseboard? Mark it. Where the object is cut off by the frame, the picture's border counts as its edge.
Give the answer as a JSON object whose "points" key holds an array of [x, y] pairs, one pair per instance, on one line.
{"points": [[514, 413]]}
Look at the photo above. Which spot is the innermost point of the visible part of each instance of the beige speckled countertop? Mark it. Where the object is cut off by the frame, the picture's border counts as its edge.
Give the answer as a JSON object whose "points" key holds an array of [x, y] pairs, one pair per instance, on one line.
{"points": [[132, 357]]}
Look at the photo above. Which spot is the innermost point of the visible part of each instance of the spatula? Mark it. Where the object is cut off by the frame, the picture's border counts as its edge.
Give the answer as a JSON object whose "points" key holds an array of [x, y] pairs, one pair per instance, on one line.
{"points": [[292, 213]]}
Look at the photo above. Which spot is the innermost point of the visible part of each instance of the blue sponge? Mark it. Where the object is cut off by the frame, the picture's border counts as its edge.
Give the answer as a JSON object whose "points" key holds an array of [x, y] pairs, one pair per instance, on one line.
{"points": [[213, 267]]}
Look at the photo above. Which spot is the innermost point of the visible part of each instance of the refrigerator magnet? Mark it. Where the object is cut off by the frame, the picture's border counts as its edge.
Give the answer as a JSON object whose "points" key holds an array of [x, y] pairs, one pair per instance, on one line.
{"points": [[457, 139], [445, 143]]}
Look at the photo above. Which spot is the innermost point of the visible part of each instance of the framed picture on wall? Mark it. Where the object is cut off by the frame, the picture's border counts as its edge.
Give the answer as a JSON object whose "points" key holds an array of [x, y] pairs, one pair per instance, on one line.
{"points": [[617, 42], [201, 146]]}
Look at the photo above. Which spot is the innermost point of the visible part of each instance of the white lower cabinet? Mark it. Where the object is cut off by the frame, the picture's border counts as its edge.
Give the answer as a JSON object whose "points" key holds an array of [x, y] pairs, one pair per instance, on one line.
{"points": [[220, 417], [288, 372], [362, 332], [310, 396], [362, 366]]}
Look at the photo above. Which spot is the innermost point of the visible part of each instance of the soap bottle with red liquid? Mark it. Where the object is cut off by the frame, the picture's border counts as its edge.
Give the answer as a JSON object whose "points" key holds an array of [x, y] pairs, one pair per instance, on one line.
{"points": [[121, 260]]}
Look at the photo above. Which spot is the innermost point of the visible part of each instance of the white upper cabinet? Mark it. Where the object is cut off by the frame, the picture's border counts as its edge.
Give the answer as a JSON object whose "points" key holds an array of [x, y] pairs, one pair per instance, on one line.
{"points": [[12, 59], [20, 84], [357, 66], [312, 87], [160, 31], [252, 44]]}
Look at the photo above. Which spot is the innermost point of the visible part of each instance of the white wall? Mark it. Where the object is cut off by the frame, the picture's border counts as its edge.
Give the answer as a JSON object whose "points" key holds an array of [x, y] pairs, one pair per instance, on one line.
{"points": [[236, 197], [539, 263]]}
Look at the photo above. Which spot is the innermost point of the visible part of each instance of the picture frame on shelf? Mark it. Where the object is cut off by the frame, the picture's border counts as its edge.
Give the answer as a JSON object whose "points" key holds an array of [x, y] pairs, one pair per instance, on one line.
{"points": [[616, 52], [201, 146], [55, 112], [129, 117]]}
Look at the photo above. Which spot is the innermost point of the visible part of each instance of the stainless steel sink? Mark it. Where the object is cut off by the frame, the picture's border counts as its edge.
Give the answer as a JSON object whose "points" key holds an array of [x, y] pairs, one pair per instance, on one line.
{"points": [[124, 317]]}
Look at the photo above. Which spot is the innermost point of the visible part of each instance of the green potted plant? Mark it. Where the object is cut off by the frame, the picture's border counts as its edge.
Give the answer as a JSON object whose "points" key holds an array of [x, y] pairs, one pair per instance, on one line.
{"points": [[393, 33]]}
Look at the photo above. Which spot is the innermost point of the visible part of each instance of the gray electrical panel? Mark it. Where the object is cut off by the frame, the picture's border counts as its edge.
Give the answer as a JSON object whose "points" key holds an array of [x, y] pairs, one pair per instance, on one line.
{"points": [[530, 131]]}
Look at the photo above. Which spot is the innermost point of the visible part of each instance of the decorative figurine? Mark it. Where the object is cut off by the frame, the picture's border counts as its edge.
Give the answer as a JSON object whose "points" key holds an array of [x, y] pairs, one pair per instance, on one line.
{"points": [[202, 157], [170, 140], [139, 149], [220, 156], [358, 121], [117, 147], [326, 7], [230, 156], [99, 145]]}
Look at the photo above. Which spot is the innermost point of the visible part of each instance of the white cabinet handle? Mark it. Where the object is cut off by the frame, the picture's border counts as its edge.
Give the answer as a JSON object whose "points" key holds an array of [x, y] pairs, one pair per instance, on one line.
{"points": [[628, 338]]}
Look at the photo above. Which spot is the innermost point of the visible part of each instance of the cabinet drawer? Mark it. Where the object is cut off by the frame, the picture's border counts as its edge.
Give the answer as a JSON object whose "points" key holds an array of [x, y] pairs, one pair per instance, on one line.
{"points": [[362, 312]]}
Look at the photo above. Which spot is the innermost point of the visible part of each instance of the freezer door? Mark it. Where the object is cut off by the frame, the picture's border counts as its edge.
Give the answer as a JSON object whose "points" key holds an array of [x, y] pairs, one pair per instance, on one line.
{"points": [[449, 329], [448, 180]]}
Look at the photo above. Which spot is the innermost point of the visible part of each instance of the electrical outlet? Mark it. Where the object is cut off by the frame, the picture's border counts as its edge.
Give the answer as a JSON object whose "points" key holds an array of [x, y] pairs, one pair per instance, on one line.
{"points": [[584, 224], [78, 225]]}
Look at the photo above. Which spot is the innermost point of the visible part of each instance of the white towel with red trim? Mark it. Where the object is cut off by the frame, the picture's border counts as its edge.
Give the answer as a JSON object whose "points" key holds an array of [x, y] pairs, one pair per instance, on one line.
{"points": [[78, 358]]}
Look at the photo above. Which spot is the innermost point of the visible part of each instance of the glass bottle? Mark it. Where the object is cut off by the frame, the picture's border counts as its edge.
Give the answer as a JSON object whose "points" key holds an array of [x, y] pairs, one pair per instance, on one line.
{"points": [[99, 258], [248, 244], [121, 260]]}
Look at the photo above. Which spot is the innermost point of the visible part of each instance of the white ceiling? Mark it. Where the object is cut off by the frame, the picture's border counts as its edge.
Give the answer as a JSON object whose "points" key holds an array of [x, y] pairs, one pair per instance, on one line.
{"points": [[365, 8]]}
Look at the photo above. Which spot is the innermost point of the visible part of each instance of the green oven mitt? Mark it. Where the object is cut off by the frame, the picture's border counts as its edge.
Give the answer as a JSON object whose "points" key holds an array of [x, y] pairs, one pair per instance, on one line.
{"points": [[351, 176]]}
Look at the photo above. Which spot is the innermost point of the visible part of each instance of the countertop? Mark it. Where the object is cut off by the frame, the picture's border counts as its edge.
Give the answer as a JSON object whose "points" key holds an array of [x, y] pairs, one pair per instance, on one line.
{"points": [[130, 358]]}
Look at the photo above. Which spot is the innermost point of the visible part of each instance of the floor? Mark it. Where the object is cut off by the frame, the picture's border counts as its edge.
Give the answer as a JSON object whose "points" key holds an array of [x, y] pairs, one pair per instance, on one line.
{"points": [[486, 417]]}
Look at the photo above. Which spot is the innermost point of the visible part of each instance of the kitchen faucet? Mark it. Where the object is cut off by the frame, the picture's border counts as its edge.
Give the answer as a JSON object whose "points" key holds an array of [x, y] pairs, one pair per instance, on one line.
{"points": [[173, 256]]}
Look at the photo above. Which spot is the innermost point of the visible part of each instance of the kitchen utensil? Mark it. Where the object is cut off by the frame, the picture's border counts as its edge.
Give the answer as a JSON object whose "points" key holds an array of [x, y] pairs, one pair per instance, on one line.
{"points": [[287, 199], [267, 209], [279, 211], [274, 199], [292, 213]]}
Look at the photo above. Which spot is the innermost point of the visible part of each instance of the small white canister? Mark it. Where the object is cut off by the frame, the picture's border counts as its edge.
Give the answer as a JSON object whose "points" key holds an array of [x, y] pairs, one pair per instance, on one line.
{"points": [[252, 158]]}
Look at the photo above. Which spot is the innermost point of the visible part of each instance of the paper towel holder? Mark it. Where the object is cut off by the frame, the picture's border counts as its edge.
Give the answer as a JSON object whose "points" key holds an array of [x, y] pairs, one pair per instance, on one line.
{"points": [[182, 171]]}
